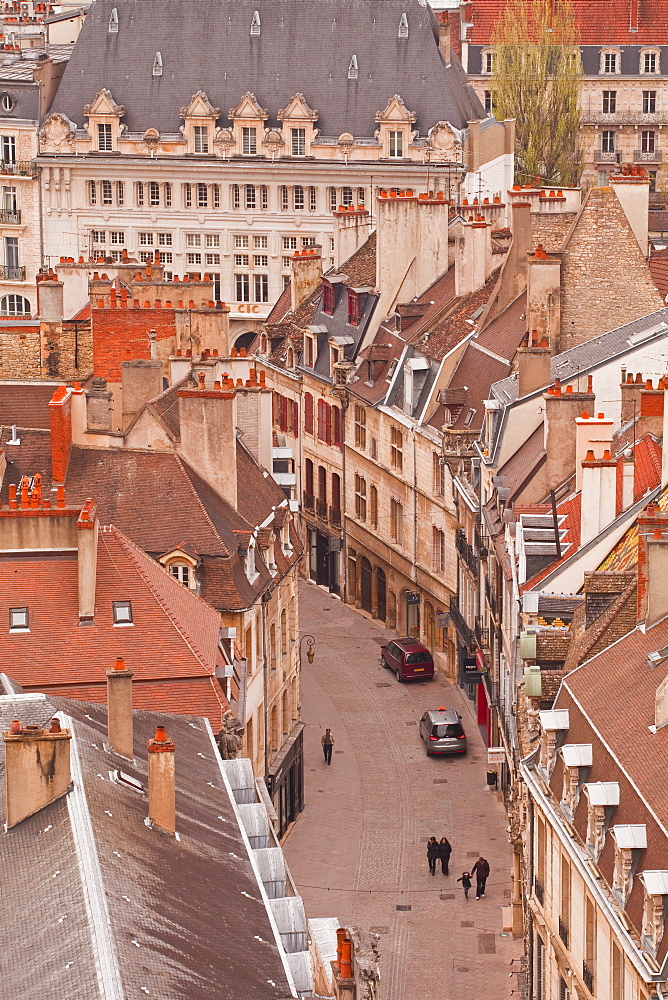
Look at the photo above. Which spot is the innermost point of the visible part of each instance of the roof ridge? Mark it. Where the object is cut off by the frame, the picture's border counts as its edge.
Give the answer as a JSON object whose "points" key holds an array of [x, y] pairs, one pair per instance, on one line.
{"points": [[183, 465]]}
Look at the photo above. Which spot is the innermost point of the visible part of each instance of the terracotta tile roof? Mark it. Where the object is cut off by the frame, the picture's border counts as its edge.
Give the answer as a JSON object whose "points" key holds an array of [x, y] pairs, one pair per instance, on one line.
{"points": [[25, 404], [600, 22], [166, 405], [423, 314], [174, 635], [360, 268], [523, 465], [624, 555], [658, 265], [570, 526], [84, 313]]}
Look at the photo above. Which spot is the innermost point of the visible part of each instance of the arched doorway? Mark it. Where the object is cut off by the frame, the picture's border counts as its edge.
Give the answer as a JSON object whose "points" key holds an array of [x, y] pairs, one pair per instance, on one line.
{"points": [[245, 339], [430, 626], [366, 584], [381, 593]]}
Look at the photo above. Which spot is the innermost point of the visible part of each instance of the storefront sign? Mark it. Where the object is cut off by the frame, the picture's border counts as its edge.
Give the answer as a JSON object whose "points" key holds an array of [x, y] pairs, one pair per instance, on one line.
{"points": [[412, 597], [442, 619], [496, 755]]}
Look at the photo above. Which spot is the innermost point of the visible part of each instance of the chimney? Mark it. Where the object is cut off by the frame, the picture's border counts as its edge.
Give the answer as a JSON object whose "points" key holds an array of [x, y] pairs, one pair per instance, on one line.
{"points": [[661, 705], [533, 361], [306, 272], [630, 388], [161, 783], [632, 191], [60, 414], [664, 438], [87, 528], [98, 406], [37, 768], [444, 39], [351, 230], [255, 421], [50, 301], [119, 709], [141, 381], [473, 257], [652, 565], [513, 278], [560, 439], [592, 433], [208, 420], [628, 479], [651, 409], [599, 495], [544, 296]]}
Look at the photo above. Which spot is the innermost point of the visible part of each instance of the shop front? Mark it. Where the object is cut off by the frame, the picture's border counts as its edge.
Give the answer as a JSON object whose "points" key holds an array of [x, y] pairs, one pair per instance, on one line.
{"points": [[285, 780]]}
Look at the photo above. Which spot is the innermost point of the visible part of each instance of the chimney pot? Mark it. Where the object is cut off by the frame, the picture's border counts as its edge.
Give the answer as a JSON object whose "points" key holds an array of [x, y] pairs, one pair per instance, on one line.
{"points": [[589, 457], [601, 416]]}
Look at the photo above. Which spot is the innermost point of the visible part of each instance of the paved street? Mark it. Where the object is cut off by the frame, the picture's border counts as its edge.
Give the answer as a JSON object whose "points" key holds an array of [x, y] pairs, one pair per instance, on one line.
{"points": [[358, 852]]}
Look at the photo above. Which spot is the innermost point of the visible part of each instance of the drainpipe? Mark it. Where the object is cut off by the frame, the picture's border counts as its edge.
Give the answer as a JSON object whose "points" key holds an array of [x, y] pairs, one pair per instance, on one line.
{"points": [[266, 597], [415, 531]]}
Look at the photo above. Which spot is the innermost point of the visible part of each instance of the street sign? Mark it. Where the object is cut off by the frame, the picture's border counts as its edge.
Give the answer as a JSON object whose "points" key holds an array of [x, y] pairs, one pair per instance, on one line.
{"points": [[442, 619], [496, 755]]}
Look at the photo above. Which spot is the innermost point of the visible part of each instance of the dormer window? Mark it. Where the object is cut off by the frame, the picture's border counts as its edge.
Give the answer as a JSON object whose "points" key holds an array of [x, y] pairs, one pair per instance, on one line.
{"points": [[104, 140], [656, 890], [298, 141], [334, 358], [122, 612], [113, 21], [328, 298], [403, 26], [309, 352], [487, 62], [353, 308], [157, 64], [650, 61], [249, 141], [201, 138], [181, 572], [255, 23], [18, 620], [610, 61], [353, 69], [251, 571], [396, 137], [290, 359]]}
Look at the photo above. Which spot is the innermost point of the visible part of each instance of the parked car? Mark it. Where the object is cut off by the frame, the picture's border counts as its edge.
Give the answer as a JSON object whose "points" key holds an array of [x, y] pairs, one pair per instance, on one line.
{"points": [[409, 660], [442, 731]]}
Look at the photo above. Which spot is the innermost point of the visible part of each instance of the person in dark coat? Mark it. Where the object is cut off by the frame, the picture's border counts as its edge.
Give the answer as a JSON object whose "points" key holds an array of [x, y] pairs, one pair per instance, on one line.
{"points": [[481, 872], [433, 854], [444, 852], [466, 883]]}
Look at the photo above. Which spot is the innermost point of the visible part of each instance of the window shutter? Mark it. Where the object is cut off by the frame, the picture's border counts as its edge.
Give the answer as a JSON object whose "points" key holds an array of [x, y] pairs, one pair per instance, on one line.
{"points": [[328, 423], [295, 418], [308, 413]]}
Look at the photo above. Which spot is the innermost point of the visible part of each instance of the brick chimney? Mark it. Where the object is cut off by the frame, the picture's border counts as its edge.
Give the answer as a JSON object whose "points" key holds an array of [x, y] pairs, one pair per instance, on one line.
{"points": [[254, 419], [161, 782], [651, 409], [87, 529], [141, 381], [119, 709], [444, 41], [628, 479], [652, 565], [37, 768], [208, 419], [630, 388], [593, 433], [306, 272], [599, 496], [544, 296], [473, 257], [60, 414]]}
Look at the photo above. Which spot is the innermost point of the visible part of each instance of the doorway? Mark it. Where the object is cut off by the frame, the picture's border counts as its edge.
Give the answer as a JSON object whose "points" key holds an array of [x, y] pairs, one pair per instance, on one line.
{"points": [[381, 593], [366, 584]]}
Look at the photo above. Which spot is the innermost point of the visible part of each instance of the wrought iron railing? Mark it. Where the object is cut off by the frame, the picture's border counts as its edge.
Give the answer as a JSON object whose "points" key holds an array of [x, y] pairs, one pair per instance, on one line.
{"points": [[466, 552], [588, 977], [563, 932], [10, 217], [309, 501], [538, 890], [12, 273], [18, 168], [607, 156], [335, 516], [648, 156], [465, 632], [321, 509]]}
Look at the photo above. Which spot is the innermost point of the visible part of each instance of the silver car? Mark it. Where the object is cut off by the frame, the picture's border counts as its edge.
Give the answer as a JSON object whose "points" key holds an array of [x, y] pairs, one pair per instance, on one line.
{"points": [[442, 731]]}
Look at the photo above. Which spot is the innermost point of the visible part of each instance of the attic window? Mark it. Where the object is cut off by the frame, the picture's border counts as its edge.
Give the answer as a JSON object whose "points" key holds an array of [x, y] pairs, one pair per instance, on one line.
{"points": [[353, 308], [403, 27], [157, 64], [352, 69], [468, 419], [121, 778], [122, 612], [328, 298], [255, 24], [18, 620], [113, 21]]}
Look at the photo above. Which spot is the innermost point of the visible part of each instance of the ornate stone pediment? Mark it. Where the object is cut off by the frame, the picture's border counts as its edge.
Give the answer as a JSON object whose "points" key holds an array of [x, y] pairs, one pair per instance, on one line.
{"points": [[395, 111], [151, 139], [273, 140], [57, 134], [444, 143], [224, 140], [199, 107], [248, 107], [104, 104], [298, 110]]}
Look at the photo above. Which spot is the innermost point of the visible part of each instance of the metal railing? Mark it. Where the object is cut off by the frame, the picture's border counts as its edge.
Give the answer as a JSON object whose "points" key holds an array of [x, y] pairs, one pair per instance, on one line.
{"points": [[309, 501], [12, 273], [563, 932], [648, 156], [466, 552], [465, 632], [538, 890], [624, 117], [10, 217], [18, 168], [588, 977], [321, 509], [607, 156], [335, 516]]}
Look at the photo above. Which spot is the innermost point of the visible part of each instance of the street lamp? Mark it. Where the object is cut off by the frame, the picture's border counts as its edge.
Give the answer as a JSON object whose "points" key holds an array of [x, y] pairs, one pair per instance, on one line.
{"points": [[310, 642]]}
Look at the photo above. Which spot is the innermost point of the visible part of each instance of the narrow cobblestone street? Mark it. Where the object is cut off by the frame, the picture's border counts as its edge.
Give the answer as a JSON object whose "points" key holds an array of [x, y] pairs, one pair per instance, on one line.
{"points": [[358, 852]]}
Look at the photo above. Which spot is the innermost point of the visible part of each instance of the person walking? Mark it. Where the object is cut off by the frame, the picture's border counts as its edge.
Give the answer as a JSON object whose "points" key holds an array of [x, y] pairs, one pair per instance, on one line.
{"points": [[466, 883], [432, 854], [327, 745], [444, 852], [481, 872]]}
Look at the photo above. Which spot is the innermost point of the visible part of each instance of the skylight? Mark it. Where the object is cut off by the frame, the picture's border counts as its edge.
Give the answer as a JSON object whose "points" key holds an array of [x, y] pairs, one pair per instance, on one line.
{"points": [[352, 69], [113, 21], [403, 27], [122, 612], [255, 24]]}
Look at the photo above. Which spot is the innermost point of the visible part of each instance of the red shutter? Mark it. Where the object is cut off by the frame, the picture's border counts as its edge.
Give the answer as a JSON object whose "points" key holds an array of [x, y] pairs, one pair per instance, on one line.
{"points": [[328, 423], [308, 413], [295, 418], [336, 426], [283, 413], [321, 420]]}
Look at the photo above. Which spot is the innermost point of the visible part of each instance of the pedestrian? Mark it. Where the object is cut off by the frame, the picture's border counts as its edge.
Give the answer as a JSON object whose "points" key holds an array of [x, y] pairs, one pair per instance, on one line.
{"points": [[432, 854], [466, 883], [481, 872], [444, 852], [327, 745]]}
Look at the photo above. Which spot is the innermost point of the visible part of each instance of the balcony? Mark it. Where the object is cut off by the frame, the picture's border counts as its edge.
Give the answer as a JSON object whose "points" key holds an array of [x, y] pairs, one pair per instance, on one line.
{"points": [[335, 517], [458, 620], [588, 977], [12, 274], [321, 509], [607, 156], [563, 932], [648, 156], [20, 168], [624, 118], [309, 502], [9, 217], [466, 552], [538, 890]]}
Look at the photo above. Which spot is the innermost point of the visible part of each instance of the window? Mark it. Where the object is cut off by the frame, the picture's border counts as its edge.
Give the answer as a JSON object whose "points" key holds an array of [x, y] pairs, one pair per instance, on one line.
{"points": [[8, 149], [374, 449], [92, 193], [298, 197], [153, 193], [322, 484], [14, 305], [201, 138], [261, 260], [249, 141], [264, 197], [235, 196], [242, 287], [309, 352], [164, 239], [333, 202], [617, 973], [241, 242], [312, 199], [18, 620], [202, 196], [565, 902], [104, 137], [212, 258], [122, 612], [649, 62], [98, 236], [437, 550], [649, 102], [324, 422], [360, 427], [260, 243], [166, 257], [215, 195], [145, 239], [241, 260], [396, 449], [608, 141], [250, 195], [106, 191], [12, 256], [396, 143], [337, 427], [289, 242], [346, 196], [328, 297], [353, 308], [187, 195], [437, 475], [286, 263], [373, 506], [193, 258], [298, 141], [396, 522], [648, 141], [308, 414], [308, 241], [360, 498], [652, 181], [193, 240], [283, 190], [261, 287], [120, 193], [403, 26], [610, 62], [488, 62], [336, 491], [489, 102], [181, 572], [609, 102]]}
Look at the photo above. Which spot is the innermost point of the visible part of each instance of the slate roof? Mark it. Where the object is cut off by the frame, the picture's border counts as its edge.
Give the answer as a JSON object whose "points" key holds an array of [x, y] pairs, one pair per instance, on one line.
{"points": [[172, 645], [600, 22], [615, 343], [658, 265], [110, 907], [521, 467], [658, 221], [304, 46]]}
